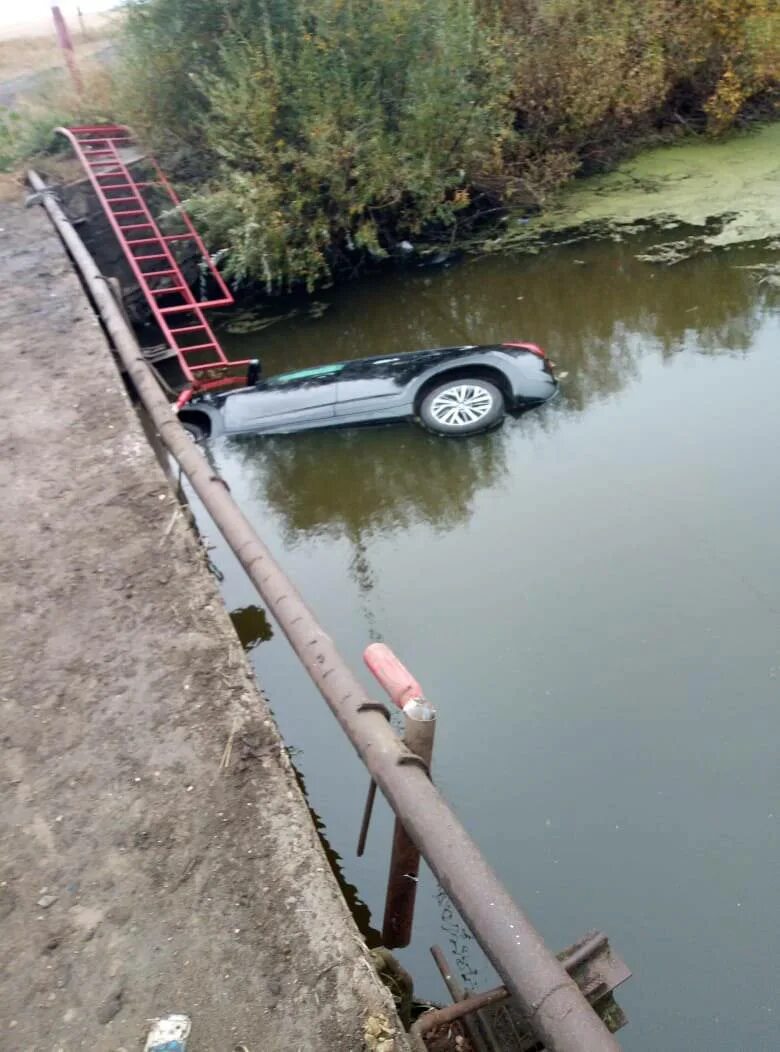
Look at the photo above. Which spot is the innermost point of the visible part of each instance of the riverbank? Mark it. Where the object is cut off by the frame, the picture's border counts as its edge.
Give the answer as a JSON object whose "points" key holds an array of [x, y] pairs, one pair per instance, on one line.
{"points": [[157, 853], [366, 131]]}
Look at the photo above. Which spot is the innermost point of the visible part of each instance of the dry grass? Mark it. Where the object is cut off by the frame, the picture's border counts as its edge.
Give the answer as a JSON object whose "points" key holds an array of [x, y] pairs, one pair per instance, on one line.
{"points": [[35, 52], [60, 169], [12, 186], [27, 131]]}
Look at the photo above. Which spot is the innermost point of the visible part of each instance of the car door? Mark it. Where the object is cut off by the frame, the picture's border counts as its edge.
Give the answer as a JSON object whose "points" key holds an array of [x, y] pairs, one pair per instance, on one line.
{"points": [[287, 403], [374, 389]]}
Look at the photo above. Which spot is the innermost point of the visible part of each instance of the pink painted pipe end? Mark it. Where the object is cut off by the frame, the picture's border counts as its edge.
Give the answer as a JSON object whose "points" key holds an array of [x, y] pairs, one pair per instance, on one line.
{"points": [[396, 680]]}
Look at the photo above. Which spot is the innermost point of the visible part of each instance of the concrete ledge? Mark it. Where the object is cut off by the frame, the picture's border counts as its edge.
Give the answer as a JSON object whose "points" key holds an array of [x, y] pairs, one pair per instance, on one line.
{"points": [[139, 875]]}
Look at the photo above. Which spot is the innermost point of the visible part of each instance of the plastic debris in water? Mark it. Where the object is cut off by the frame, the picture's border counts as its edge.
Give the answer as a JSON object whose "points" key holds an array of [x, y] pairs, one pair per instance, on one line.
{"points": [[169, 1034]]}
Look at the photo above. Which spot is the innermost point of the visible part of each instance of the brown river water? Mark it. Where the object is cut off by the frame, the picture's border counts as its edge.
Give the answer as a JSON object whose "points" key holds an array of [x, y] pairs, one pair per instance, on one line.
{"points": [[591, 596]]}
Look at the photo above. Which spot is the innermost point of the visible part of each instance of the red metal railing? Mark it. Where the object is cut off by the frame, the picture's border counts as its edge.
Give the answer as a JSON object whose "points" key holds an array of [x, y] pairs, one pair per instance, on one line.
{"points": [[149, 252]]}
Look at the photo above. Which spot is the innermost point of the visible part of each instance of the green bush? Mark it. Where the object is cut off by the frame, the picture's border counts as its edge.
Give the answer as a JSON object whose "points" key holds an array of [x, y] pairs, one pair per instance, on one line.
{"points": [[314, 134], [591, 74], [27, 134], [328, 128]]}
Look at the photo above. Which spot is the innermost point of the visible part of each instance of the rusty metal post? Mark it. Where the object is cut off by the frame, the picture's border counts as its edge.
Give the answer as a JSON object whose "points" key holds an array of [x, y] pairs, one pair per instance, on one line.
{"points": [[466, 1004], [66, 46], [554, 1006], [419, 730], [457, 993]]}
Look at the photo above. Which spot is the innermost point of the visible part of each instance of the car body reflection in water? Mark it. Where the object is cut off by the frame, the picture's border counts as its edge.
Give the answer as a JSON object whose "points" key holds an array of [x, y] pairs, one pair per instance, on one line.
{"points": [[357, 483], [591, 595]]}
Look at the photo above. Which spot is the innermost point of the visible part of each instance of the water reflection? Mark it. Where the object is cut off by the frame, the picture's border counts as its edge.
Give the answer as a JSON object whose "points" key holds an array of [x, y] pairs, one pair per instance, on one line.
{"points": [[596, 308], [352, 897], [353, 483], [252, 626], [599, 579]]}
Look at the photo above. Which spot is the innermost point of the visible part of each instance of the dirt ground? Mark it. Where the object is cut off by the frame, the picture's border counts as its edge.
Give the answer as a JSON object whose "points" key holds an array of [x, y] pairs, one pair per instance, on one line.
{"points": [[31, 60], [156, 854], [29, 46]]}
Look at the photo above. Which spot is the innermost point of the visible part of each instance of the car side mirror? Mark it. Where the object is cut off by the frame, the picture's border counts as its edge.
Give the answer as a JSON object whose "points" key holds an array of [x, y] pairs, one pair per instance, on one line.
{"points": [[254, 372]]}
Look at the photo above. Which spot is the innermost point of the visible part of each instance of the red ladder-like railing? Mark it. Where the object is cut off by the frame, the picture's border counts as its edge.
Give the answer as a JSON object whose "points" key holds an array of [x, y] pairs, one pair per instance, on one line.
{"points": [[149, 252]]}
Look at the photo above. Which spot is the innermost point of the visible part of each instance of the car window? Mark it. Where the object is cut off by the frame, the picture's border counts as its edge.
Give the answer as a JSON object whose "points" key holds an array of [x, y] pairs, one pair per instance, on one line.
{"points": [[305, 374]]}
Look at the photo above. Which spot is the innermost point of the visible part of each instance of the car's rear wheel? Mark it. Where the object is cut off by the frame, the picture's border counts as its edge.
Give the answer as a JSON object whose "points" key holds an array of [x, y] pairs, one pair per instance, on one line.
{"points": [[194, 430], [462, 406]]}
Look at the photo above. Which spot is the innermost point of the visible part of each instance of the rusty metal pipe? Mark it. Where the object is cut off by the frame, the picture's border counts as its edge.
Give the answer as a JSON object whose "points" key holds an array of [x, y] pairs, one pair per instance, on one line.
{"points": [[448, 1014], [66, 46], [557, 1011], [419, 730], [472, 1025], [497, 994]]}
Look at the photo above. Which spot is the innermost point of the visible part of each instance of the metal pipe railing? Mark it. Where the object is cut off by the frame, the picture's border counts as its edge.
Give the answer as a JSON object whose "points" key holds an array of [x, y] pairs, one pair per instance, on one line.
{"points": [[556, 1010]]}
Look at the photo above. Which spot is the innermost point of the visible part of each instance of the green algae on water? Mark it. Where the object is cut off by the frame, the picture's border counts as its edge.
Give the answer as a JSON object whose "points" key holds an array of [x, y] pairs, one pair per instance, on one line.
{"points": [[730, 188]]}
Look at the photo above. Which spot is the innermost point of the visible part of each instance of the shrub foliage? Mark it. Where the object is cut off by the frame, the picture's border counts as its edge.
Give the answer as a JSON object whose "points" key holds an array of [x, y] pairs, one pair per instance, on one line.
{"points": [[328, 127], [316, 133]]}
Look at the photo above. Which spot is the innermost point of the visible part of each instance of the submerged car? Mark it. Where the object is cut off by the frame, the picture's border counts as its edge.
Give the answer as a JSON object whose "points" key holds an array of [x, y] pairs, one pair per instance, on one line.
{"points": [[449, 390]]}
